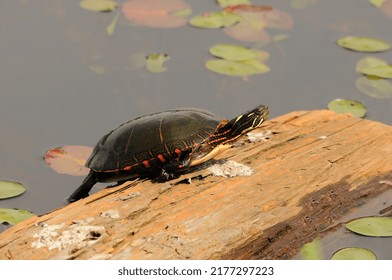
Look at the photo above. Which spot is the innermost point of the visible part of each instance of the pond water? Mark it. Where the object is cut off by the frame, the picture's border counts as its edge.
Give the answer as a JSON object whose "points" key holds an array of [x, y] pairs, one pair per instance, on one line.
{"points": [[65, 81]]}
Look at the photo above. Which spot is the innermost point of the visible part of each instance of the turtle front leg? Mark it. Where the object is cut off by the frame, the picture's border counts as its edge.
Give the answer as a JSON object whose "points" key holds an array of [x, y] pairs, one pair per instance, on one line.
{"points": [[173, 170], [83, 190]]}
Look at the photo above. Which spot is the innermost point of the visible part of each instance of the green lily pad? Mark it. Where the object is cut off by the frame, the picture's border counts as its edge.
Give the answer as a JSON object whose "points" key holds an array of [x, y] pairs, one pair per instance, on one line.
{"points": [[312, 250], [10, 189], [369, 61], [99, 5], [226, 3], [383, 71], [231, 68], [354, 254], [14, 216], [233, 52], [372, 226], [377, 3], [375, 87], [155, 62], [347, 106], [259, 66], [214, 20], [363, 44]]}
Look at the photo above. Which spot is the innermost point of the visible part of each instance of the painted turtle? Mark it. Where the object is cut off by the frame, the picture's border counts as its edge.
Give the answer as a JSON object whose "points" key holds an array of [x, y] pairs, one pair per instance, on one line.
{"points": [[162, 145]]}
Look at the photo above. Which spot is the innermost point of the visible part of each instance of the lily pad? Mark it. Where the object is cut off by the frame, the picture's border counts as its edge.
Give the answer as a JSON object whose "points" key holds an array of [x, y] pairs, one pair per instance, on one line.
{"points": [[14, 216], [377, 3], [99, 5], [233, 52], [226, 3], [157, 13], [254, 20], [375, 87], [347, 106], [383, 71], [69, 159], [259, 66], [10, 189], [312, 250], [353, 253], [372, 226], [231, 68], [214, 20], [155, 62], [363, 44], [369, 61], [386, 8]]}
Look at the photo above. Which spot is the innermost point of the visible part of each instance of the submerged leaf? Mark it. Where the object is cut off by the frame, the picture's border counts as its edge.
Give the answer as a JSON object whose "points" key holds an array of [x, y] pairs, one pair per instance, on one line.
{"points": [[363, 44], [14, 216], [214, 20], [69, 159], [233, 52], [372, 226], [347, 106], [375, 87], [354, 254], [99, 5], [155, 62], [10, 189], [112, 26], [369, 61]]}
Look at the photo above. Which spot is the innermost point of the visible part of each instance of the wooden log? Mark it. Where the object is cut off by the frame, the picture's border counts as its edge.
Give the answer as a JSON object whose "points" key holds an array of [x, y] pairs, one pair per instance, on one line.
{"points": [[316, 167]]}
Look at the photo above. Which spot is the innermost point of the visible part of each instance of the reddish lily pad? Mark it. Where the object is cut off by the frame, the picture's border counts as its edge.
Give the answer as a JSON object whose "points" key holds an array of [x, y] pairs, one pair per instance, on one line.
{"points": [[386, 8], [156, 13], [254, 19], [69, 159]]}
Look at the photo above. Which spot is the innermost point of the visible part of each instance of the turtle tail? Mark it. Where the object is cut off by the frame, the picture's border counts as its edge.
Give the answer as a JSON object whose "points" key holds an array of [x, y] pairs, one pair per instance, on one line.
{"points": [[83, 190], [231, 130]]}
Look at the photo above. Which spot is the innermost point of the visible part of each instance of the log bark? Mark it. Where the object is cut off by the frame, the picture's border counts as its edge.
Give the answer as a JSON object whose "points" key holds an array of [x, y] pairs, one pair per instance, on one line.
{"points": [[316, 167]]}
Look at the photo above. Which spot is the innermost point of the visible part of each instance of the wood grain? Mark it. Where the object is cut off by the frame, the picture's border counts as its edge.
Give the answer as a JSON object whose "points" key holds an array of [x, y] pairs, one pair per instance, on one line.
{"points": [[316, 167]]}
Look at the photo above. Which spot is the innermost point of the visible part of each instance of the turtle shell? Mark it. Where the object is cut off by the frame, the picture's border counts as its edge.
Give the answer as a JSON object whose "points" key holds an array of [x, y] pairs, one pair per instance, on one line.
{"points": [[145, 144]]}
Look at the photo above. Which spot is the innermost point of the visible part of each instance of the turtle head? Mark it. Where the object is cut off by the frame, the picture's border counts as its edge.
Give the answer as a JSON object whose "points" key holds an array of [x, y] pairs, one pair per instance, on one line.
{"points": [[227, 132]]}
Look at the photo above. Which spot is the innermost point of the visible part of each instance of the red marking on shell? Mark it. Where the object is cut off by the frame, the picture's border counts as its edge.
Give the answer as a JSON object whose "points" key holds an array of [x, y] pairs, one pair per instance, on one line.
{"points": [[146, 163], [177, 151], [161, 158]]}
